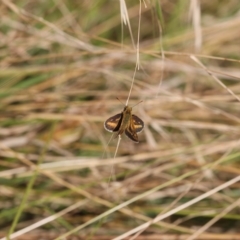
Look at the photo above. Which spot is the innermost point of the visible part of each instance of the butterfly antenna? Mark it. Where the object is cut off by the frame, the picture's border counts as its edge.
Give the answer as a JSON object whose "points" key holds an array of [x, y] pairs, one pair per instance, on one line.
{"points": [[136, 104], [120, 100]]}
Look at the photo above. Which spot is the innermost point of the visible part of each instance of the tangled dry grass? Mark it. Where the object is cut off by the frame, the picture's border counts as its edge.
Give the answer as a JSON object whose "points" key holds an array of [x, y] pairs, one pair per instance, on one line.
{"points": [[62, 67]]}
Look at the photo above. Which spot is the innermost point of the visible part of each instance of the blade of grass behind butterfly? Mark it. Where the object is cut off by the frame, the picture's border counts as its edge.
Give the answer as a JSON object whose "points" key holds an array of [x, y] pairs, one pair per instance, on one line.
{"points": [[125, 18], [159, 21], [137, 52], [195, 17]]}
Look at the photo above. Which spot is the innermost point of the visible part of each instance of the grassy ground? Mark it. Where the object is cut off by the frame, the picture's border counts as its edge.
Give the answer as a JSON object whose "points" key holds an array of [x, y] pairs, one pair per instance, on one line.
{"points": [[63, 63]]}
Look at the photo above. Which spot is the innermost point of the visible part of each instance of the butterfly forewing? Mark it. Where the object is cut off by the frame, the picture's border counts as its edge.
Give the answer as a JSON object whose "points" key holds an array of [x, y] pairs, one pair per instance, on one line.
{"points": [[138, 123], [113, 123]]}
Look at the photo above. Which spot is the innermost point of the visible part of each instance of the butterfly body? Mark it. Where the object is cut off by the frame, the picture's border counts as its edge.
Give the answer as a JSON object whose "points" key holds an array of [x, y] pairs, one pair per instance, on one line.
{"points": [[125, 122]]}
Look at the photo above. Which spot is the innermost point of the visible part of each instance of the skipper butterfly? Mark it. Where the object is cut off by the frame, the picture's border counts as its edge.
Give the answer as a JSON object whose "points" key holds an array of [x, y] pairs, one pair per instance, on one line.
{"points": [[125, 122]]}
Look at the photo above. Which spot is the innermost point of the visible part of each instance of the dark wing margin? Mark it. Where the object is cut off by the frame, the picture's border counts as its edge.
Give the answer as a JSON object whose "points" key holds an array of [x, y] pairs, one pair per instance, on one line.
{"points": [[113, 123], [138, 123]]}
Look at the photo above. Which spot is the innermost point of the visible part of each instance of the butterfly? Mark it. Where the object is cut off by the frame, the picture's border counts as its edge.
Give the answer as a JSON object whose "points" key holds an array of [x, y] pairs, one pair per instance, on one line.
{"points": [[125, 122]]}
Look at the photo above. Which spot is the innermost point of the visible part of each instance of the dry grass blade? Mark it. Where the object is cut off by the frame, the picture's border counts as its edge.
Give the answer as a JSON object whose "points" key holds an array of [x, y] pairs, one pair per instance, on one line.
{"points": [[215, 78], [46, 220], [125, 18], [165, 215], [214, 220], [195, 14]]}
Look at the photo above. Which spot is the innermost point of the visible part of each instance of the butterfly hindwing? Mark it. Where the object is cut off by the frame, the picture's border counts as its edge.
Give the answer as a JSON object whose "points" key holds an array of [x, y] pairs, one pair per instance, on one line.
{"points": [[138, 123], [130, 131], [113, 123]]}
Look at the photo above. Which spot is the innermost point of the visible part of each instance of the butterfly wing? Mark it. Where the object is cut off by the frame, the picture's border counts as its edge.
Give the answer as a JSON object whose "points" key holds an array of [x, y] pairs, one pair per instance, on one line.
{"points": [[138, 123], [130, 131], [113, 123]]}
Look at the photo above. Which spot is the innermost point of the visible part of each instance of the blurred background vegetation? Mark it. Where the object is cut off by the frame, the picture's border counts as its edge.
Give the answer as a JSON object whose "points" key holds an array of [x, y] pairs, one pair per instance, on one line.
{"points": [[62, 65]]}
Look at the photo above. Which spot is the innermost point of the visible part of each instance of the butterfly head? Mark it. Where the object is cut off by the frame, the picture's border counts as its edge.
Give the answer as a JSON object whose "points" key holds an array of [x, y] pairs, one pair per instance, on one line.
{"points": [[127, 109]]}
